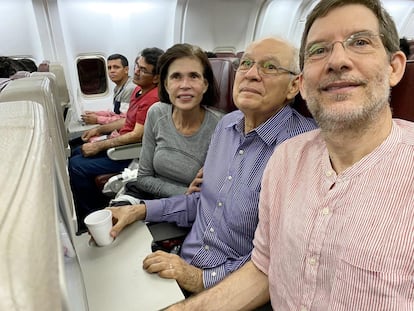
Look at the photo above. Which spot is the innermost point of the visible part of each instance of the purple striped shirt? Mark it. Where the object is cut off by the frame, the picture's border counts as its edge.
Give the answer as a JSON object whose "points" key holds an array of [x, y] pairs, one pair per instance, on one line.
{"points": [[339, 242], [224, 214]]}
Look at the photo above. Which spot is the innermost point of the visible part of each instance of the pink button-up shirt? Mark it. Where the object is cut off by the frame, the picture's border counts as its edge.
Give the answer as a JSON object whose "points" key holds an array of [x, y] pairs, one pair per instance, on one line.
{"points": [[339, 242]]}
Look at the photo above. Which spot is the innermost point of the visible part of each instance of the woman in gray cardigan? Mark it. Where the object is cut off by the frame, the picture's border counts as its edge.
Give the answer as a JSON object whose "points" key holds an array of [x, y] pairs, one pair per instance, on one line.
{"points": [[178, 129]]}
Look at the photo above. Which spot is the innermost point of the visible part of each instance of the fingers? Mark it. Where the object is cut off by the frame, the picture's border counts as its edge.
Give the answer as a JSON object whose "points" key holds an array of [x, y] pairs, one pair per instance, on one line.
{"points": [[165, 264], [192, 189], [118, 221]]}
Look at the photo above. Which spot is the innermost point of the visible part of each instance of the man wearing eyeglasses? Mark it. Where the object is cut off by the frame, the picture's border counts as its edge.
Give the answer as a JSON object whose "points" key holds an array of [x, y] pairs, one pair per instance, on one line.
{"points": [[223, 215], [91, 160], [336, 214]]}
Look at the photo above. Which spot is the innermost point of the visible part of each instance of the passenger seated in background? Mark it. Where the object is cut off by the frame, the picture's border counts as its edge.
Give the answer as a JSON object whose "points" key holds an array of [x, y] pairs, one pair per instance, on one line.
{"points": [[337, 205], [90, 159], [124, 86], [224, 214], [9, 66], [178, 129]]}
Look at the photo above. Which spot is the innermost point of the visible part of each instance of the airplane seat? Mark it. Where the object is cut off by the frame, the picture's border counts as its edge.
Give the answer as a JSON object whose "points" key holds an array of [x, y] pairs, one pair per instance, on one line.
{"points": [[53, 85], [4, 82], [299, 104], [63, 92], [38, 88], [20, 74], [225, 54], [402, 95], [224, 72], [29, 268]]}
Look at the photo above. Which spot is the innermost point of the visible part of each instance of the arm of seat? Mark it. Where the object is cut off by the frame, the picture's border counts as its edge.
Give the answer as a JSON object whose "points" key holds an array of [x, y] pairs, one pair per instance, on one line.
{"points": [[125, 152]]}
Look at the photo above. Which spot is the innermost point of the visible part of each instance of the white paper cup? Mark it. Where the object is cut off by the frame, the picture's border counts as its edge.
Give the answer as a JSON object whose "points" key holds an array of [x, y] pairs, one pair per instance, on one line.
{"points": [[99, 224]]}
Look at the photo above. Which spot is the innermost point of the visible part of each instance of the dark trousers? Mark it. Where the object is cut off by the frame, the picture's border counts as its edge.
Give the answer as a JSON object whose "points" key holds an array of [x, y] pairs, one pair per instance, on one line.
{"points": [[82, 172]]}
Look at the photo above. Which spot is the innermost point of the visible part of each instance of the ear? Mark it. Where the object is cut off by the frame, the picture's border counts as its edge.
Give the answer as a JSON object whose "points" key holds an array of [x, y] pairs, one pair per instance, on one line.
{"points": [[397, 65], [156, 79], [301, 88], [205, 86], [293, 88]]}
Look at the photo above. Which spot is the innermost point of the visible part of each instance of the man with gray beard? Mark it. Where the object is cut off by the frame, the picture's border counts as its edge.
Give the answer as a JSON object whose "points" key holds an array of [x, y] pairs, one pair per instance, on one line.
{"points": [[336, 211]]}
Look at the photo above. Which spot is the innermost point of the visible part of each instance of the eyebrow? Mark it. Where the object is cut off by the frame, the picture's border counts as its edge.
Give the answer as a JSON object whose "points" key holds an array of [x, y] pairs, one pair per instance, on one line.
{"points": [[188, 73], [346, 37], [264, 59]]}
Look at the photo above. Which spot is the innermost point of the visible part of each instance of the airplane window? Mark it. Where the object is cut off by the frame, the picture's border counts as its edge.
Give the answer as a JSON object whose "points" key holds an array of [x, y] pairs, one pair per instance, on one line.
{"points": [[92, 75]]}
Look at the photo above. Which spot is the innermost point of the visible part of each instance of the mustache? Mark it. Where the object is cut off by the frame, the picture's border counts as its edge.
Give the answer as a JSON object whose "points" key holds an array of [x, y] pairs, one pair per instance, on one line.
{"points": [[341, 79]]}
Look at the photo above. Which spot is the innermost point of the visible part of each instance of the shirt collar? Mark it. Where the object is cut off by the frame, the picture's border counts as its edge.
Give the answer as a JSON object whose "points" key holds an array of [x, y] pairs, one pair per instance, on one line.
{"points": [[267, 131]]}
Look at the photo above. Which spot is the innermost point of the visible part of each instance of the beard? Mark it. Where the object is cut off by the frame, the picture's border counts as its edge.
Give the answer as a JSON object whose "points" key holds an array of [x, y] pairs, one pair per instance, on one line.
{"points": [[346, 112]]}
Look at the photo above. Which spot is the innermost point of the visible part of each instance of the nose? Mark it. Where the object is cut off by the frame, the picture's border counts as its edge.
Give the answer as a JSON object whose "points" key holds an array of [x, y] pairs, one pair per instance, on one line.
{"points": [[185, 82], [253, 73], [338, 59]]}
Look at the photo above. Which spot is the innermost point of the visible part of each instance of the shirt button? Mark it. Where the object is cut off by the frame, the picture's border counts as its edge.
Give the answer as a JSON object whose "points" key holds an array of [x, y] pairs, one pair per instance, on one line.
{"points": [[211, 229], [214, 273], [325, 211], [206, 247], [229, 178], [312, 261], [303, 309], [220, 204], [328, 173], [241, 152]]}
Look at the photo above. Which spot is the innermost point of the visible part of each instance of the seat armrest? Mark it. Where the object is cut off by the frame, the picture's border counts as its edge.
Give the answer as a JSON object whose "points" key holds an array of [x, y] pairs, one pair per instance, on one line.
{"points": [[124, 152]]}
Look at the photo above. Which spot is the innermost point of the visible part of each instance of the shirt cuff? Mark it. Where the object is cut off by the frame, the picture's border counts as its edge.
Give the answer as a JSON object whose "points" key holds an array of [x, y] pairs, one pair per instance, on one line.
{"points": [[154, 210], [214, 275]]}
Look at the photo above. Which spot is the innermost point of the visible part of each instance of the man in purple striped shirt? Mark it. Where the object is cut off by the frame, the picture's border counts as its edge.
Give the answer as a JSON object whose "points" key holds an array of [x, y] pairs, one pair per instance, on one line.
{"points": [[336, 212], [224, 214]]}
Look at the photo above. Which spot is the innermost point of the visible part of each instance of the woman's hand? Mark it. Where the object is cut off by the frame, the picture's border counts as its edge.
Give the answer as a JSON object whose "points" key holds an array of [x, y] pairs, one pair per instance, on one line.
{"points": [[196, 183]]}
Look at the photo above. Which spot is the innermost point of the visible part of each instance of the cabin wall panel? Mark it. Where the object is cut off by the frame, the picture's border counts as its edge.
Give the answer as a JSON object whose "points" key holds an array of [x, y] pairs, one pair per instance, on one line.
{"points": [[106, 27], [217, 24], [19, 30]]}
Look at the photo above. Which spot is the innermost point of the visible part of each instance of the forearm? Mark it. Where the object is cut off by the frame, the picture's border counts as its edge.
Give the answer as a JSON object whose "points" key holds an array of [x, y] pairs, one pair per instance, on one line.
{"points": [[110, 127], [245, 289], [111, 117], [181, 209], [128, 138]]}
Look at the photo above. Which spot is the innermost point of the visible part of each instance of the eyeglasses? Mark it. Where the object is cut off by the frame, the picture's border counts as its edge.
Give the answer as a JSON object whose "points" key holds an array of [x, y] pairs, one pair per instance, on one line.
{"points": [[142, 70], [358, 43], [263, 68]]}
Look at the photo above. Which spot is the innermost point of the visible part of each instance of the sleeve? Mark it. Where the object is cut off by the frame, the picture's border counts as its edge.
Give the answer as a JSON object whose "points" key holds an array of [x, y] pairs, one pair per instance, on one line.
{"points": [[125, 96], [214, 275], [179, 209], [261, 241], [110, 118], [144, 105]]}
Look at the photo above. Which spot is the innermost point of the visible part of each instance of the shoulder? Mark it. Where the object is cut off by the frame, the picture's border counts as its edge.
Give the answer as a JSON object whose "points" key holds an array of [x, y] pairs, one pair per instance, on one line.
{"points": [[159, 108], [214, 113], [149, 97], [232, 117], [130, 83], [302, 142], [406, 129]]}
